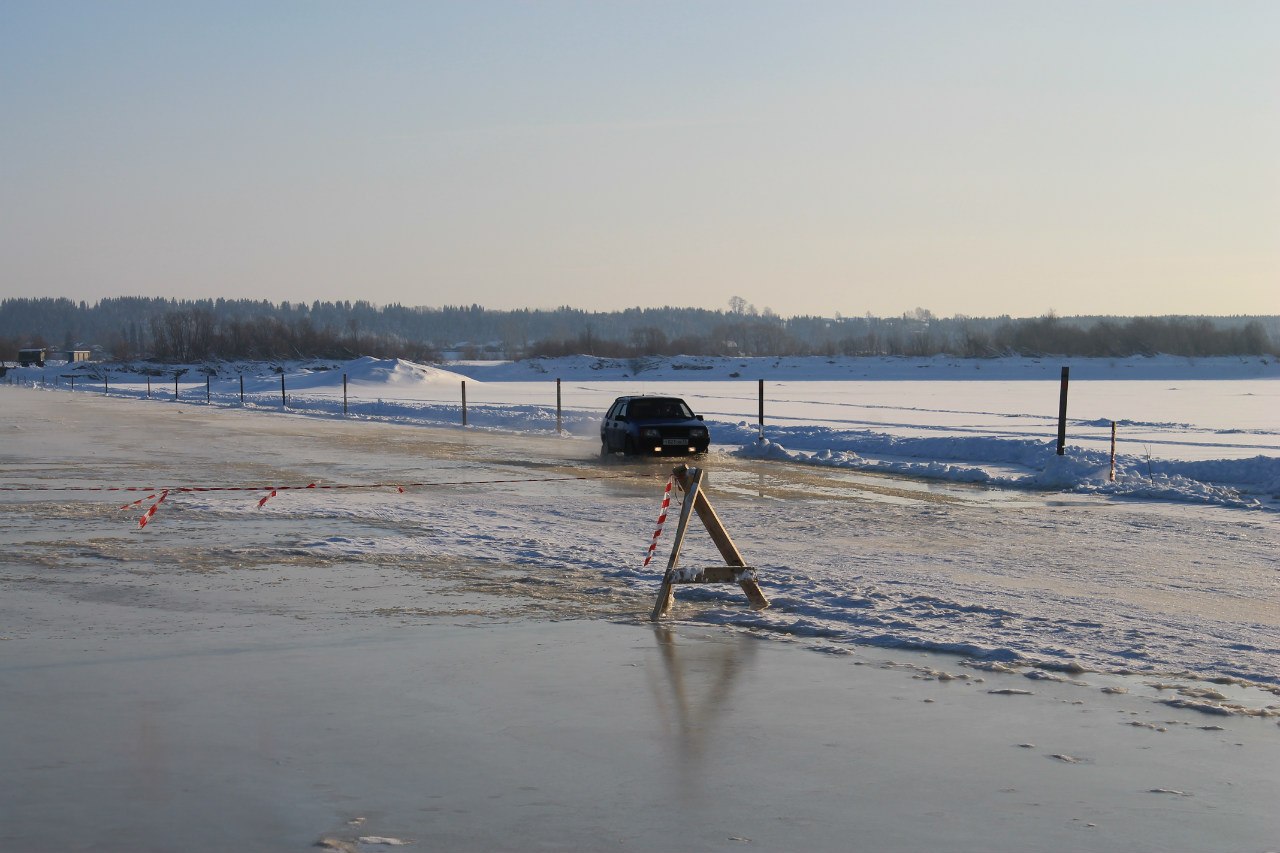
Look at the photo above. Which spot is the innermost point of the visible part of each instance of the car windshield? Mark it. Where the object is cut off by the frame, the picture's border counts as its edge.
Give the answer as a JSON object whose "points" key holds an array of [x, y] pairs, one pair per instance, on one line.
{"points": [[654, 409]]}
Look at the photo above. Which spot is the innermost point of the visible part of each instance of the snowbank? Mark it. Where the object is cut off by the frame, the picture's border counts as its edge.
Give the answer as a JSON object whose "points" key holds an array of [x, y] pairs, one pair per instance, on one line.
{"points": [[1245, 484], [920, 417]]}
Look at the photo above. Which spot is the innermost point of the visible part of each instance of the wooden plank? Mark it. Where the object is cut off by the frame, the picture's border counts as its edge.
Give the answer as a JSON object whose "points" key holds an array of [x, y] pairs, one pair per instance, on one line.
{"points": [[755, 595], [666, 594], [711, 574], [720, 536], [693, 491]]}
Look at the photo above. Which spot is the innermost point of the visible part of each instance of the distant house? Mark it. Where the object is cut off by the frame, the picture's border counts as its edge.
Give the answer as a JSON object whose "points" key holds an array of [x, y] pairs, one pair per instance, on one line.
{"points": [[74, 355], [28, 357]]}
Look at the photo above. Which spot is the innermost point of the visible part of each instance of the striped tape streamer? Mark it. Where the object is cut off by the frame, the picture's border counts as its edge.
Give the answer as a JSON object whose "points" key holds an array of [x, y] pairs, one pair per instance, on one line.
{"points": [[276, 489], [146, 516], [662, 519], [139, 501]]}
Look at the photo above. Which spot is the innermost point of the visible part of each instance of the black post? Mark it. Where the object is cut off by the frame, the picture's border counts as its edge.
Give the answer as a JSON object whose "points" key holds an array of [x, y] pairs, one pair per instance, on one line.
{"points": [[1113, 452], [206, 389], [464, 402], [175, 386], [558, 422], [148, 386], [1062, 413], [344, 393], [241, 389], [73, 381], [105, 387], [762, 410], [284, 404]]}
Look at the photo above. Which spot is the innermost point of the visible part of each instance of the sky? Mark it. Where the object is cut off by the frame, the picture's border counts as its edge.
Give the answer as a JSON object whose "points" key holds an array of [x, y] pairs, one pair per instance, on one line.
{"points": [[978, 158]]}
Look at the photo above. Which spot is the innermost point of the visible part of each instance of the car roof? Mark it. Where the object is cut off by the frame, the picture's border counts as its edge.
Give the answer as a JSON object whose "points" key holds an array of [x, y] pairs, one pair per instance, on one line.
{"points": [[648, 397]]}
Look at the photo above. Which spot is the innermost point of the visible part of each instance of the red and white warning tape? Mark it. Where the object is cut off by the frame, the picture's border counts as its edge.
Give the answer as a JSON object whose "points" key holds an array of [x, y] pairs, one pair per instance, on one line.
{"points": [[151, 510], [400, 486], [662, 519], [159, 494]]}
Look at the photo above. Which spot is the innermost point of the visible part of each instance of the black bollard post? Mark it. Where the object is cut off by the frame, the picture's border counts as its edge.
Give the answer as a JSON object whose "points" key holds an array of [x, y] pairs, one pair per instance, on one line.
{"points": [[1113, 452], [1062, 413], [761, 394]]}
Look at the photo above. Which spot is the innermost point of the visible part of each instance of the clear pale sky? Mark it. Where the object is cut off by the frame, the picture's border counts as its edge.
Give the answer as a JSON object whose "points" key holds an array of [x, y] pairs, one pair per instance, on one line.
{"points": [[977, 157]]}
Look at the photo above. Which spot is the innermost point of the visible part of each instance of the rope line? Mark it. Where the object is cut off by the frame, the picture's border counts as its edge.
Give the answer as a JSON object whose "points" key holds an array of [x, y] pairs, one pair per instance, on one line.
{"points": [[401, 485], [158, 494]]}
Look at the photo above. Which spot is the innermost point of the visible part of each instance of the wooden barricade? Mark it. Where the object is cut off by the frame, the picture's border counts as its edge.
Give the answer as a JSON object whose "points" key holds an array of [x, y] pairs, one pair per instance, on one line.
{"points": [[735, 569]]}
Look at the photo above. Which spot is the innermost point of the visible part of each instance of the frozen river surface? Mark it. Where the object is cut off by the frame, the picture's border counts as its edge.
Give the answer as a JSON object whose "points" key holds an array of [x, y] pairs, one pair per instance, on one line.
{"points": [[1003, 670], [1048, 583]]}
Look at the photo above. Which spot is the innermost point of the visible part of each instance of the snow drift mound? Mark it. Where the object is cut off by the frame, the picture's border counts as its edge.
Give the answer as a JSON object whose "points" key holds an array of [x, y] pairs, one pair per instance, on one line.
{"points": [[380, 372]]}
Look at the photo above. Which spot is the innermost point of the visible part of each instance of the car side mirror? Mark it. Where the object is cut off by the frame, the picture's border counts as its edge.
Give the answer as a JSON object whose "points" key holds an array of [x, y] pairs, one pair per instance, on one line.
{"points": [[621, 418], [699, 417]]}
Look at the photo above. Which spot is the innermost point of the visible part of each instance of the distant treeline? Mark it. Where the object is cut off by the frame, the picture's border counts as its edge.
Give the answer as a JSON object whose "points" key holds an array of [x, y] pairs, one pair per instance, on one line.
{"points": [[188, 330]]}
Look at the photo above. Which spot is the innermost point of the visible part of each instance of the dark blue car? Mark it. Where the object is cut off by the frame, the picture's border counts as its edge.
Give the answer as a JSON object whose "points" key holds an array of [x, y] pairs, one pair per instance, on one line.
{"points": [[652, 425]]}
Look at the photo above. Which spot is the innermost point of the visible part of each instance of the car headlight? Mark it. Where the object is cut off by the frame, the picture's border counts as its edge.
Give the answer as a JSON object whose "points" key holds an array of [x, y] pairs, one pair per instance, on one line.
{"points": [[649, 432], [698, 432]]}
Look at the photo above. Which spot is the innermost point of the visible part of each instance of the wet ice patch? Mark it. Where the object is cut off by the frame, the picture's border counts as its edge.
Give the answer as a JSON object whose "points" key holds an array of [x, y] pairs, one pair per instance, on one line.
{"points": [[383, 841], [354, 546]]}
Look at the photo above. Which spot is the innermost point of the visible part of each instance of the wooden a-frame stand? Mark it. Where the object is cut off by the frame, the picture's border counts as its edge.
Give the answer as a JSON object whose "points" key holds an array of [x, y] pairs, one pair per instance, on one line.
{"points": [[736, 569]]}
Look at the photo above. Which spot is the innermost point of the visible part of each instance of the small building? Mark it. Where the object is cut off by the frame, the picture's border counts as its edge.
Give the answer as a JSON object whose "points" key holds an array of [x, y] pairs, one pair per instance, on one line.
{"points": [[74, 355], [28, 357]]}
